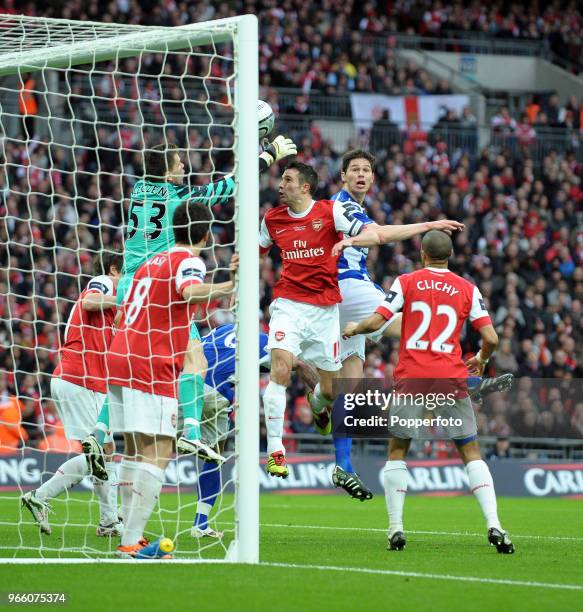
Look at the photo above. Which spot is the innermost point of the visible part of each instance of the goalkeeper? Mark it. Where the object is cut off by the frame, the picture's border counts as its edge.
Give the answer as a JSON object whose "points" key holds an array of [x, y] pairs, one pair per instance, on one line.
{"points": [[150, 230]]}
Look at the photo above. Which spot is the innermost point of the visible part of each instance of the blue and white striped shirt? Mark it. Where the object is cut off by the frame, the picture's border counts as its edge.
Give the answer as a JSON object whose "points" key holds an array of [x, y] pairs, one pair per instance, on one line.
{"points": [[352, 261]]}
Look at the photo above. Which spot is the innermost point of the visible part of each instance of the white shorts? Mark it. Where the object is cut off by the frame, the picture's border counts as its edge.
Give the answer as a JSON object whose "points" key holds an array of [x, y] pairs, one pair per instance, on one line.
{"points": [[136, 411], [215, 416], [77, 407], [306, 330], [360, 299]]}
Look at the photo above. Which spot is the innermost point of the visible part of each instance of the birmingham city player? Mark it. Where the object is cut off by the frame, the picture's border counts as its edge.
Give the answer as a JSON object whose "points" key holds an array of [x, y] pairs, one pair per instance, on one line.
{"points": [[435, 304], [360, 296], [153, 202], [219, 394]]}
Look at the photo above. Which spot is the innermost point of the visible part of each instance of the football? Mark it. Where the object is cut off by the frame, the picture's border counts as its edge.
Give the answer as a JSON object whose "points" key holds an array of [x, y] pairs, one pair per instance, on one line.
{"points": [[265, 117]]}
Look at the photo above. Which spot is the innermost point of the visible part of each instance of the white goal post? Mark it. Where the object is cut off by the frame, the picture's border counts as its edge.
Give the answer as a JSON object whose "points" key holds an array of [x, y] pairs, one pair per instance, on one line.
{"points": [[40, 46]]}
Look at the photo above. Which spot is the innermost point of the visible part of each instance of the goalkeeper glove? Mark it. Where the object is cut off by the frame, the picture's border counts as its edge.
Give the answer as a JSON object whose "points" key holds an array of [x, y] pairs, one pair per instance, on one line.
{"points": [[277, 149]]}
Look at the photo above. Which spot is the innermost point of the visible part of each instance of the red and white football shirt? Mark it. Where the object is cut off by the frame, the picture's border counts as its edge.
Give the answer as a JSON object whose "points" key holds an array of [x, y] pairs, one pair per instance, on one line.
{"points": [[309, 272], [87, 338], [147, 352], [435, 303]]}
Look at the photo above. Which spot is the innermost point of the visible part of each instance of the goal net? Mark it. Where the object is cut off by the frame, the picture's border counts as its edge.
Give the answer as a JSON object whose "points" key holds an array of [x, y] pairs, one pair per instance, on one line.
{"points": [[81, 104]]}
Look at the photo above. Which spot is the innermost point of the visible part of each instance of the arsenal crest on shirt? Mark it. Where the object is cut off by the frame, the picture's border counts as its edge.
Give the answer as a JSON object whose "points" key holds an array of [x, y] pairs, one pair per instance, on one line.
{"points": [[317, 224]]}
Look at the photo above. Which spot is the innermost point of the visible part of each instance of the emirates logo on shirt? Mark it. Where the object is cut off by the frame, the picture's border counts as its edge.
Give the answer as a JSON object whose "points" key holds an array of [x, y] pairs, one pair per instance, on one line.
{"points": [[279, 335], [317, 225]]}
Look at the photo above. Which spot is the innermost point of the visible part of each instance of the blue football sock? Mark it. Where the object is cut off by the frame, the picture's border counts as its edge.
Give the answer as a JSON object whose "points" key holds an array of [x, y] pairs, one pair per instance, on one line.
{"points": [[342, 447], [209, 486]]}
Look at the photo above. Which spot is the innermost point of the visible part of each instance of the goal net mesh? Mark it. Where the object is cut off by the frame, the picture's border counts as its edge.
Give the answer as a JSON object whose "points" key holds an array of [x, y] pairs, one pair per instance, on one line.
{"points": [[80, 104]]}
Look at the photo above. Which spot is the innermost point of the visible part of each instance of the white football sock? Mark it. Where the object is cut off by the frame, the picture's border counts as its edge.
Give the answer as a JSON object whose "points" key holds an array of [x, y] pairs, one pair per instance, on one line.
{"points": [[147, 486], [111, 469], [317, 401], [274, 401], [395, 478], [125, 484], [68, 474], [482, 486], [107, 501], [203, 508]]}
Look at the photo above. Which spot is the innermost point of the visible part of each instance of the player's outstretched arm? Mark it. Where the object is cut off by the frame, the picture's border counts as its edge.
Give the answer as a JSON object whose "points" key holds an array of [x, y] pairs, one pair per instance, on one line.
{"points": [[210, 194], [220, 191], [202, 292], [367, 326], [95, 301], [374, 235], [194, 294], [478, 362]]}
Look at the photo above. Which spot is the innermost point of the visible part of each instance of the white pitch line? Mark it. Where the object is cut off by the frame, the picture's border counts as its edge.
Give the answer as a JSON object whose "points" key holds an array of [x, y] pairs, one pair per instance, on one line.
{"points": [[360, 570], [106, 561], [327, 568], [419, 532]]}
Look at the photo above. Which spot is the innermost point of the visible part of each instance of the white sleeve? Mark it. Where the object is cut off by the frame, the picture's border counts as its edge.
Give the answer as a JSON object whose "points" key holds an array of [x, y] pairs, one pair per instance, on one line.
{"points": [[393, 301], [479, 315], [349, 217], [265, 240], [102, 284], [191, 271]]}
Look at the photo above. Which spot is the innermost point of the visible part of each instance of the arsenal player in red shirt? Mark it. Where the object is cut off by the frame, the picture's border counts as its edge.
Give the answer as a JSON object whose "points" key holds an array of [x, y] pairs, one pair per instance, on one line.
{"points": [[147, 355], [435, 304], [78, 388], [304, 314]]}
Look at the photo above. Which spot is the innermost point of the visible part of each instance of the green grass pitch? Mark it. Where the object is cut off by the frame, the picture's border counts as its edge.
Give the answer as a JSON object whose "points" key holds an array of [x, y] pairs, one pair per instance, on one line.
{"points": [[333, 555]]}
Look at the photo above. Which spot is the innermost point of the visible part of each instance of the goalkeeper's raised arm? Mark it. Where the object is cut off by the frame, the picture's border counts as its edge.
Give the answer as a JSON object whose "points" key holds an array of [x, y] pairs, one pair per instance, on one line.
{"points": [[154, 199]]}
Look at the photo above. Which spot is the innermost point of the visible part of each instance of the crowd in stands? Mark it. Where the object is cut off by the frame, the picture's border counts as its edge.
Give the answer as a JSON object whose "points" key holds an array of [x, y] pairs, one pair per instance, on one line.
{"points": [[343, 45], [523, 246], [540, 113], [523, 243]]}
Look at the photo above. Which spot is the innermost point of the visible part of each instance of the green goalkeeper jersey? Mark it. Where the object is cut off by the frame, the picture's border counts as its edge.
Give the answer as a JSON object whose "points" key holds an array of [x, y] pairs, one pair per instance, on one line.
{"points": [[151, 213]]}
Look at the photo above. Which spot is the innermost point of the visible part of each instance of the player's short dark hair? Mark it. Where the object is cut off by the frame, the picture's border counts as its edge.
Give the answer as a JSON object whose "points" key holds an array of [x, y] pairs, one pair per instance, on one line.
{"points": [[103, 261], [437, 245], [191, 222], [357, 154], [307, 174], [158, 160]]}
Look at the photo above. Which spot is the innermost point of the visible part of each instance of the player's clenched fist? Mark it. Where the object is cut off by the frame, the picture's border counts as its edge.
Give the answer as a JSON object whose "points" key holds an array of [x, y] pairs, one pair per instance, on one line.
{"points": [[349, 329], [278, 149]]}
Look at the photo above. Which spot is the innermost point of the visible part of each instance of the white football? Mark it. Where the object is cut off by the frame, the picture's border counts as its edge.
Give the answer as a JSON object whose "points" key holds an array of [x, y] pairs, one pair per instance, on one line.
{"points": [[265, 117]]}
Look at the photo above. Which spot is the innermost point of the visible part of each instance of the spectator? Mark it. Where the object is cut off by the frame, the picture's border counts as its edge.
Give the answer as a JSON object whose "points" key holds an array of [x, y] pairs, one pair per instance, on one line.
{"points": [[503, 123], [303, 421], [505, 358], [28, 105], [12, 433], [384, 132], [501, 450]]}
